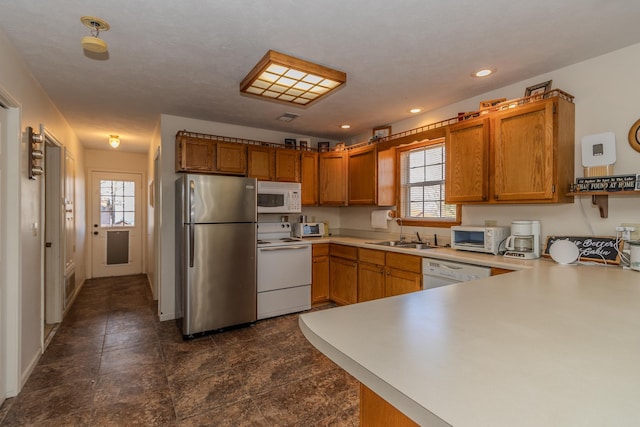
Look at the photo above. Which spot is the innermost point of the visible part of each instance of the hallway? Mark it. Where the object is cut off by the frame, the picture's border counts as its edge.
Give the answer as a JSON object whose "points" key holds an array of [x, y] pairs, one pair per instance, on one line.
{"points": [[112, 362]]}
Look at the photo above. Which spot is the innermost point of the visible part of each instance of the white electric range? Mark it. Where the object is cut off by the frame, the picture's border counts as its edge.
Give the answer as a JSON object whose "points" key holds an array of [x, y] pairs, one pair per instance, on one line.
{"points": [[284, 271]]}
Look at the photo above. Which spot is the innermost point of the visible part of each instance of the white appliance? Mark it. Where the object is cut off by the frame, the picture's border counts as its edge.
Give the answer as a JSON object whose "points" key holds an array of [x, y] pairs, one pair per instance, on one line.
{"points": [[478, 238], [524, 241], [215, 252], [308, 229], [436, 273], [284, 271], [279, 197]]}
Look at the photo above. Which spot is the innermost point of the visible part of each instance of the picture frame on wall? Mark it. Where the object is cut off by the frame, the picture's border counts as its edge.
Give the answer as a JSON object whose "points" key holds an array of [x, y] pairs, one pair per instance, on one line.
{"points": [[323, 146], [538, 89], [381, 132], [290, 143], [304, 143]]}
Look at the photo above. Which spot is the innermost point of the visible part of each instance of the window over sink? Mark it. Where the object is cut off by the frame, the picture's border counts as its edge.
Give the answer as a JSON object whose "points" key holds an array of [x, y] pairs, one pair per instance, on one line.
{"points": [[422, 186]]}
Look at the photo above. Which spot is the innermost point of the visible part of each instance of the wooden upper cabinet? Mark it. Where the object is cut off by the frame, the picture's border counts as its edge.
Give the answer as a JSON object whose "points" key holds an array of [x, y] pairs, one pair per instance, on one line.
{"points": [[467, 160], [534, 152], [387, 177], [372, 176], [261, 162], [231, 158], [194, 154], [309, 178], [332, 171], [363, 175], [287, 165]]}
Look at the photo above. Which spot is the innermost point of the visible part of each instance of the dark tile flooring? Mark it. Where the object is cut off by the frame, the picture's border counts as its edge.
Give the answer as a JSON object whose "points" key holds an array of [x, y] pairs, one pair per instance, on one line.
{"points": [[112, 362]]}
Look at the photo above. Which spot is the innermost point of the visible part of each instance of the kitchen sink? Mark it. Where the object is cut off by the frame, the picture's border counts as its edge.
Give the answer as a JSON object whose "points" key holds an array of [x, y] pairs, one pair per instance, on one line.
{"points": [[403, 244]]}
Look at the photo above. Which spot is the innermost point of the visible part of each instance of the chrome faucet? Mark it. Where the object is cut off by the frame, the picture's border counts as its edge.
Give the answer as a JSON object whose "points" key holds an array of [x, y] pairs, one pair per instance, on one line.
{"points": [[399, 220]]}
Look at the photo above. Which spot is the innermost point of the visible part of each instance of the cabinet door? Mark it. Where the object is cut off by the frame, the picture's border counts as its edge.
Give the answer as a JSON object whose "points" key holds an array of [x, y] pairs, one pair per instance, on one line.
{"points": [[320, 279], [402, 282], [371, 280], [194, 154], [387, 177], [309, 178], [467, 152], [231, 158], [260, 162], [363, 176], [524, 153], [287, 165], [343, 279], [332, 167]]}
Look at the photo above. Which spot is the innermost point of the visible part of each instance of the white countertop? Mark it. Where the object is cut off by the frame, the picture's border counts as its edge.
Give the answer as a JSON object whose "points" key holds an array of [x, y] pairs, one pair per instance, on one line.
{"points": [[547, 346]]}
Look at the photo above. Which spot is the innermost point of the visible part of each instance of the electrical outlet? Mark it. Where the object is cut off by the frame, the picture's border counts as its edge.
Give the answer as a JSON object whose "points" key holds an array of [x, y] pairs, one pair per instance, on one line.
{"points": [[633, 235]]}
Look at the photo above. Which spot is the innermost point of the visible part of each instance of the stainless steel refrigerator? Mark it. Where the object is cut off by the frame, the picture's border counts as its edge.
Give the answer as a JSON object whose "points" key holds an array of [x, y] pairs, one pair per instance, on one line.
{"points": [[215, 252]]}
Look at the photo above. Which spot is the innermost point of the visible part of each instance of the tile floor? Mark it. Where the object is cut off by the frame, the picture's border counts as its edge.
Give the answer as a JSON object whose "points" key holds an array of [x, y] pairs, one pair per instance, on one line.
{"points": [[112, 363]]}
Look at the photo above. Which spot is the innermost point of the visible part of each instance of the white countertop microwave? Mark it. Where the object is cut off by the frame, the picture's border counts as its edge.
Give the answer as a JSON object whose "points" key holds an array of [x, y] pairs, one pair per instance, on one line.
{"points": [[279, 197]]}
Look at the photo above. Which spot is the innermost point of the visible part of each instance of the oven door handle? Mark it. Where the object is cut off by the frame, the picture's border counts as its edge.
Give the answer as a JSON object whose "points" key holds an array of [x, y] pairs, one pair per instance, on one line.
{"points": [[283, 248]]}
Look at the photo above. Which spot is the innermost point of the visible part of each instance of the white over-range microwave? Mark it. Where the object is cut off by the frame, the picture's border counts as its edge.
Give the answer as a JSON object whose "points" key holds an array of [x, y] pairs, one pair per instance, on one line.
{"points": [[279, 197], [478, 238]]}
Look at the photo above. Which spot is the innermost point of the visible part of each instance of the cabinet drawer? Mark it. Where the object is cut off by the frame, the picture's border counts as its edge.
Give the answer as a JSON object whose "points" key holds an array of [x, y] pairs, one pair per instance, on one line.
{"points": [[320, 249], [404, 262], [343, 251], [371, 256]]}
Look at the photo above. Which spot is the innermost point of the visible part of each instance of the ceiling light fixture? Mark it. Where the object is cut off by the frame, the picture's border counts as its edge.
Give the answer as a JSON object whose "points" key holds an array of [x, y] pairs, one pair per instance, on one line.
{"points": [[345, 126], [92, 43], [484, 72], [114, 141], [415, 110], [280, 77]]}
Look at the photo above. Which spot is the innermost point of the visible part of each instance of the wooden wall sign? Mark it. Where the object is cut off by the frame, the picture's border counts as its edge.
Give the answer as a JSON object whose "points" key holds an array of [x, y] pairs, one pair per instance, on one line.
{"points": [[597, 249]]}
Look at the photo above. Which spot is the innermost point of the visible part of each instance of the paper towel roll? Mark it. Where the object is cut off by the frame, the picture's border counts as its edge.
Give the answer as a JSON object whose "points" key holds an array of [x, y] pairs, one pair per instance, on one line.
{"points": [[379, 218]]}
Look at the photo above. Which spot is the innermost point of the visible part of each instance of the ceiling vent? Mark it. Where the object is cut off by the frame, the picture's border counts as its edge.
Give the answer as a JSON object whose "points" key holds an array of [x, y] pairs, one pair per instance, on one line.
{"points": [[287, 117]]}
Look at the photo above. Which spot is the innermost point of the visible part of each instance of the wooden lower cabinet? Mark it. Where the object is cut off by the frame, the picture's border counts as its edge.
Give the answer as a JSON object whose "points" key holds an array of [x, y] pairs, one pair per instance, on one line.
{"points": [[343, 274], [385, 274], [377, 412], [371, 281], [497, 270], [320, 273], [402, 282]]}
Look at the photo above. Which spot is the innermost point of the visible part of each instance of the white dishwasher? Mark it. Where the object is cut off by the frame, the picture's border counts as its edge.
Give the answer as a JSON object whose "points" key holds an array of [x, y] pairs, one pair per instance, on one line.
{"points": [[436, 272]]}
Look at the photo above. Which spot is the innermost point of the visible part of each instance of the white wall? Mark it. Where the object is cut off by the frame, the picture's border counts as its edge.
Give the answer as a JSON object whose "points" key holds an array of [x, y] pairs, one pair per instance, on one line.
{"points": [[606, 94], [170, 125], [35, 108]]}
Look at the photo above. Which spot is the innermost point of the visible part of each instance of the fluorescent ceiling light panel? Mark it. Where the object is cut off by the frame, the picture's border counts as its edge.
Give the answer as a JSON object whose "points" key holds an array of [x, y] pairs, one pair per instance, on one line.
{"points": [[287, 79]]}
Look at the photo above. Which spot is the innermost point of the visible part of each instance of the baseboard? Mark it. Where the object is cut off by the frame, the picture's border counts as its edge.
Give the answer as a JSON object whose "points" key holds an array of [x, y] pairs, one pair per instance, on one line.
{"points": [[32, 365]]}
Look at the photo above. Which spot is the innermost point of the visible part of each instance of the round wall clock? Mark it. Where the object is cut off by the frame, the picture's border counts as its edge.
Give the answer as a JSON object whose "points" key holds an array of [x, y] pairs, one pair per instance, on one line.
{"points": [[634, 136]]}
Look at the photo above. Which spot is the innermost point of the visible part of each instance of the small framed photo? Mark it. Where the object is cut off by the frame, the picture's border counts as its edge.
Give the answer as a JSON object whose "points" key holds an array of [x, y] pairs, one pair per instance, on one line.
{"points": [[303, 143], [485, 105], [381, 132], [538, 89], [340, 146], [290, 143], [323, 146]]}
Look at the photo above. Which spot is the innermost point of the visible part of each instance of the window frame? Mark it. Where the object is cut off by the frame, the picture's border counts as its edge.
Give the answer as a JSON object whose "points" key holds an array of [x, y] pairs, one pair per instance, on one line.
{"points": [[413, 221]]}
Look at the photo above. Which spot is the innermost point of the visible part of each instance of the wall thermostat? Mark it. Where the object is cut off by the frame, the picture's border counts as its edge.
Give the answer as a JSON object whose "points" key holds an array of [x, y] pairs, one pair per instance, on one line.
{"points": [[599, 149]]}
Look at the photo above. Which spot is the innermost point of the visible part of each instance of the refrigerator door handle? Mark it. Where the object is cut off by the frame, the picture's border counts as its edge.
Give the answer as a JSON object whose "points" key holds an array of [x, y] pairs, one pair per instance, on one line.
{"points": [[283, 248], [191, 202], [191, 245]]}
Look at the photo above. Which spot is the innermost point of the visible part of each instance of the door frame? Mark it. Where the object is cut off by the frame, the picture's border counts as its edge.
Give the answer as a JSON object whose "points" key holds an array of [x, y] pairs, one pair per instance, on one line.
{"points": [[52, 286], [11, 248], [89, 213]]}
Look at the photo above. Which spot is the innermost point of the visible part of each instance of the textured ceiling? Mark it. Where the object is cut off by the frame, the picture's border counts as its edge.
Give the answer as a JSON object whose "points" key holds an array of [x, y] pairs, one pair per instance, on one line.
{"points": [[187, 58]]}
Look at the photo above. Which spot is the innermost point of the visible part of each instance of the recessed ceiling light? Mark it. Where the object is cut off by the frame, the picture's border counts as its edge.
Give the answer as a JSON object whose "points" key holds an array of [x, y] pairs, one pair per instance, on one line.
{"points": [[484, 72], [415, 110], [345, 126]]}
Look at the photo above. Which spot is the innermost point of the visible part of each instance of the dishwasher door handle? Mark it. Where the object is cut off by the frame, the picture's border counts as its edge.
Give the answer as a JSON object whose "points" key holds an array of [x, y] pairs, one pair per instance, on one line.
{"points": [[284, 248]]}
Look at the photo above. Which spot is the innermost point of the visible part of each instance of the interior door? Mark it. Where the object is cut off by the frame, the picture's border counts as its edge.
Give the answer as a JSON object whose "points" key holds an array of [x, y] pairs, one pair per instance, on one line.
{"points": [[116, 224]]}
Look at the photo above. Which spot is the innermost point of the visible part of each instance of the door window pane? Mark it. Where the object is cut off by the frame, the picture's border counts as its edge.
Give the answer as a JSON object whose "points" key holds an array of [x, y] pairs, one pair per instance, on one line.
{"points": [[117, 203]]}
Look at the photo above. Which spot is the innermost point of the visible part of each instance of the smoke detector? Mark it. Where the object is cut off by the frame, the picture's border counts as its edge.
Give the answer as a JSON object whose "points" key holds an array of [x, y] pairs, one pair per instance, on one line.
{"points": [[287, 117], [93, 43]]}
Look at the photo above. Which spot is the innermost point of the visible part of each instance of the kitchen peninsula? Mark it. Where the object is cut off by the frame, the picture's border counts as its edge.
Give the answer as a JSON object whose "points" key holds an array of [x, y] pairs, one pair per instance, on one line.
{"points": [[555, 345]]}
